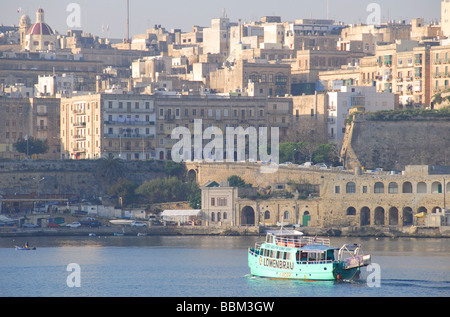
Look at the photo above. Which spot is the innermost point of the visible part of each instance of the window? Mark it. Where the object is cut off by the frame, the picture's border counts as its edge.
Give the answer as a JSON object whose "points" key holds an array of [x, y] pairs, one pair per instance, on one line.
{"points": [[221, 201], [213, 201], [351, 211], [379, 188], [392, 188], [337, 189], [350, 188]]}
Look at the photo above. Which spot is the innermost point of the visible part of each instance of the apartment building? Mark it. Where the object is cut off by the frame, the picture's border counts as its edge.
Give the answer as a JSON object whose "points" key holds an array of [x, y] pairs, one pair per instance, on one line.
{"points": [[445, 18], [402, 68], [221, 111], [32, 117], [440, 69], [97, 125], [309, 63], [341, 103], [139, 127], [235, 77]]}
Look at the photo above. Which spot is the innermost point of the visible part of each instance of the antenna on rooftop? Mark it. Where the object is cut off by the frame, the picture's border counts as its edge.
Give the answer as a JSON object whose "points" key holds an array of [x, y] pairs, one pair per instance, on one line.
{"points": [[128, 22]]}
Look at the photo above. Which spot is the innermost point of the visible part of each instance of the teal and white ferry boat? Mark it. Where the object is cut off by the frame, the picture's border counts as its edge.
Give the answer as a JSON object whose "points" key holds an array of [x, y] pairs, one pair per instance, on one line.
{"points": [[287, 254]]}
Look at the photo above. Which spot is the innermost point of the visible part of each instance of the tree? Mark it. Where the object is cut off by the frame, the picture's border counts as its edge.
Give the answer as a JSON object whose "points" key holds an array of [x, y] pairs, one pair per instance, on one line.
{"points": [[125, 189], [175, 169], [195, 200], [31, 146], [326, 153], [166, 190], [237, 181], [110, 168], [291, 152]]}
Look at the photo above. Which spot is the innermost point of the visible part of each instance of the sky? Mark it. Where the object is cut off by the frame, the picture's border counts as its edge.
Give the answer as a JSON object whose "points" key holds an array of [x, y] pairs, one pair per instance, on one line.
{"points": [[107, 18]]}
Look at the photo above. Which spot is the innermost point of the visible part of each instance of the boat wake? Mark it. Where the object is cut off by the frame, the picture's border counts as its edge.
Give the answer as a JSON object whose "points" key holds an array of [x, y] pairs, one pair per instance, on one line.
{"points": [[442, 285]]}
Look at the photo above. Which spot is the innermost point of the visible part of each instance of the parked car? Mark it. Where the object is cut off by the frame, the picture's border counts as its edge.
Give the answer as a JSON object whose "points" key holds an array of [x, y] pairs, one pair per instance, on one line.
{"points": [[73, 225], [95, 224], [306, 164], [322, 166], [52, 225], [138, 224], [30, 225]]}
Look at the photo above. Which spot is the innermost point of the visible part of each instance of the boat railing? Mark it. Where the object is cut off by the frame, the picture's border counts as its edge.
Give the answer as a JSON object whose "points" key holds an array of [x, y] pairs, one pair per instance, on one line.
{"points": [[300, 242], [314, 262]]}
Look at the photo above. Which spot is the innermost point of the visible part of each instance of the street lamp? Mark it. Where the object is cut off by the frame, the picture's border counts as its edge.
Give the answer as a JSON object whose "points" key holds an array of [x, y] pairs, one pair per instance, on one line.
{"points": [[38, 181]]}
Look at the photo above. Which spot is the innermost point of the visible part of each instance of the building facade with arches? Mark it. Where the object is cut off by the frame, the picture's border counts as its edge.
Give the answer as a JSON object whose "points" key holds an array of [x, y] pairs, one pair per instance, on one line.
{"points": [[346, 199]]}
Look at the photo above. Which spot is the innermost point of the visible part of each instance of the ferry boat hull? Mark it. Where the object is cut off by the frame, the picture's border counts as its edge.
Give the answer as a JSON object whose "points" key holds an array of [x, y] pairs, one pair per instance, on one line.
{"points": [[307, 259], [274, 269]]}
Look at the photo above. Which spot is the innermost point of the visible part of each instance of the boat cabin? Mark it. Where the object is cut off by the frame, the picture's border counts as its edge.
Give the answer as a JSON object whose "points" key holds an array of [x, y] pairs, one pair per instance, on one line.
{"points": [[315, 253]]}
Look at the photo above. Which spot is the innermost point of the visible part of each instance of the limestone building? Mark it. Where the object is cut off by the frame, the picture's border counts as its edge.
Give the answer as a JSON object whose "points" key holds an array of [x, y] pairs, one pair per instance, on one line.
{"points": [[235, 77], [398, 201], [445, 17], [354, 98], [98, 125], [32, 117], [139, 127]]}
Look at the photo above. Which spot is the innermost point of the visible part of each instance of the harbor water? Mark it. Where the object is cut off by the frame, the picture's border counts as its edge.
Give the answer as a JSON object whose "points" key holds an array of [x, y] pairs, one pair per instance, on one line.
{"points": [[207, 266]]}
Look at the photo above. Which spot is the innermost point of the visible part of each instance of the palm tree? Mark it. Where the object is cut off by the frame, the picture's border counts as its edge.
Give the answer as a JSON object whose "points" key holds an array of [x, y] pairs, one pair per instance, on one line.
{"points": [[110, 168]]}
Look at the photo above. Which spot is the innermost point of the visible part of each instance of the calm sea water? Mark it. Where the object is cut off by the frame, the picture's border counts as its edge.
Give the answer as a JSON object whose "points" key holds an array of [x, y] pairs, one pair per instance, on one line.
{"points": [[193, 266]]}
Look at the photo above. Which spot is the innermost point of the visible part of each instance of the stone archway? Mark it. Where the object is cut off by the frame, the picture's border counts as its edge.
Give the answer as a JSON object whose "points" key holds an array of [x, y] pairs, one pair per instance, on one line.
{"points": [[247, 216], [365, 216], [379, 216], [393, 216], [408, 219], [192, 175]]}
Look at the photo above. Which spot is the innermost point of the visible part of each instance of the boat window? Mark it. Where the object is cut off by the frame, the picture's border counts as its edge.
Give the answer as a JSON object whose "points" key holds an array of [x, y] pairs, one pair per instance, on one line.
{"points": [[304, 256], [330, 255], [279, 255], [312, 256], [286, 256]]}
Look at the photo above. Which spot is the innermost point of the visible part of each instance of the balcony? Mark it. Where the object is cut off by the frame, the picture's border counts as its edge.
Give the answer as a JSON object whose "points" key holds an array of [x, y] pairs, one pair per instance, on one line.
{"points": [[80, 124], [140, 123], [128, 136], [79, 137]]}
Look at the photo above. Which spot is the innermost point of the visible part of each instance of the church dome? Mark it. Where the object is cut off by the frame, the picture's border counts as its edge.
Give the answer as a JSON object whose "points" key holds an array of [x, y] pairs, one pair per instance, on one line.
{"points": [[25, 20], [40, 27]]}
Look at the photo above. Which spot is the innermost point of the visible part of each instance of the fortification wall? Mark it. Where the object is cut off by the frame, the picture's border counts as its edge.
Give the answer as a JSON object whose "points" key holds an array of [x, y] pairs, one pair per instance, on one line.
{"points": [[392, 145], [80, 178]]}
